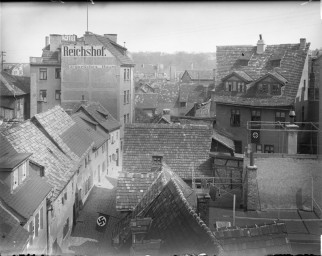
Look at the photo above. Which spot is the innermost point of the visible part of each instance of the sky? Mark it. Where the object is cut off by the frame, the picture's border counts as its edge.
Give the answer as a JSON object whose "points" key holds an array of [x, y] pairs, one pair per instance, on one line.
{"points": [[159, 26]]}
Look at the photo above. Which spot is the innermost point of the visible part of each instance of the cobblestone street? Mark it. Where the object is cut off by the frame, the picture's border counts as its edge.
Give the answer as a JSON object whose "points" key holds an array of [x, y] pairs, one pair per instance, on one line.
{"points": [[85, 239]]}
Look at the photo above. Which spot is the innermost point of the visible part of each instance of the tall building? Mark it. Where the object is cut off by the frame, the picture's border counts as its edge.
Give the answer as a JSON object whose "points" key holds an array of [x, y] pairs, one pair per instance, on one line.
{"points": [[92, 67]]}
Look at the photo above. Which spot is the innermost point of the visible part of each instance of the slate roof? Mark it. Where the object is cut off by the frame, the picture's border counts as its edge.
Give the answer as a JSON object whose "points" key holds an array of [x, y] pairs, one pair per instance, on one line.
{"points": [[88, 125], [8, 85], [99, 114], [185, 147], [118, 51], [9, 157], [34, 187], [70, 137], [59, 168], [223, 140], [11, 233], [265, 239], [201, 74], [146, 100], [173, 218], [291, 67]]}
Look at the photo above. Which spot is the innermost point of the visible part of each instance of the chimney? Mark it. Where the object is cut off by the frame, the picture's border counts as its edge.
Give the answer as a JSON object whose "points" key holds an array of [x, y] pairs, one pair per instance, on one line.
{"points": [[157, 160], [191, 66], [302, 43], [46, 41], [260, 45], [112, 37], [166, 114]]}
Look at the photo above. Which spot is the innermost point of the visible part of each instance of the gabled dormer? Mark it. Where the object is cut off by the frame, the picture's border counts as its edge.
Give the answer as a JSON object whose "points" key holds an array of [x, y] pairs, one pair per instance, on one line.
{"points": [[236, 81], [271, 84], [275, 60]]}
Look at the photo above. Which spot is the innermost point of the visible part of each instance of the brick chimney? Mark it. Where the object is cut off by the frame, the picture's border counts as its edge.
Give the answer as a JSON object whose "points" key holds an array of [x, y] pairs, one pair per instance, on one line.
{"points": [[302, 43], [166, 114], [112, 37], [260, 45]]}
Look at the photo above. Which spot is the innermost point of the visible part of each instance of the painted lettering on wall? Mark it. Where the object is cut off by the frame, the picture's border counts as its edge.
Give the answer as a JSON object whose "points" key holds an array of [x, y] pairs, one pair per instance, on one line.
{"points": [[83, 51], [90, 66], [68, 38]]}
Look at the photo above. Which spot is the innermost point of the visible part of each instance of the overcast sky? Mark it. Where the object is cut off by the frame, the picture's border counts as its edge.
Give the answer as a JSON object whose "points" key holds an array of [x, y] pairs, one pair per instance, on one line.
{"points": [[164, 26]]}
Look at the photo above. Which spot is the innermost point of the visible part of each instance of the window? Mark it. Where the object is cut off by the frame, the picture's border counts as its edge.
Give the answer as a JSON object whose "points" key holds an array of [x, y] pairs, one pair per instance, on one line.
{"points": [[66, 228], [183, 104], [279, 117], [24, 171], [65, 196], [43, 95], [263, 88], [31, 231], [96, 153], [57, 73], [303, 114], [128, 97], [268, 149], [103, 167], [127, 118], [41, 214], [36, 224], [57, 94], [110, 158], [62, 200], [275, 63], [117, 157], [15, 179], [258, 148], [256, 118], [112, 139], [235, 117], [234, 86], [124, 74], [43, 73], [229, 86], [128, 74], [103, 148], [276, 89], [125, 97], [238, 146], [240, 87]]}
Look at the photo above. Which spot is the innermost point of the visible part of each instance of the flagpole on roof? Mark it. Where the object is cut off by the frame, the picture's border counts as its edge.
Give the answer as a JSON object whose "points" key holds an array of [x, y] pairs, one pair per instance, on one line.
{"points": [[87, 11]]}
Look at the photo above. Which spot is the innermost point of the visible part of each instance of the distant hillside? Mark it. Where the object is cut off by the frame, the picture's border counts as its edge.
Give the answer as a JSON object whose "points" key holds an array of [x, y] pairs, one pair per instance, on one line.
{"points": [[180, 60]]}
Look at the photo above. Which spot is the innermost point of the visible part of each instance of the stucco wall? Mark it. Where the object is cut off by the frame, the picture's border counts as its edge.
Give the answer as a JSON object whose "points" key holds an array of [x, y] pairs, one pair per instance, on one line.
{"points": [[285, 181]]}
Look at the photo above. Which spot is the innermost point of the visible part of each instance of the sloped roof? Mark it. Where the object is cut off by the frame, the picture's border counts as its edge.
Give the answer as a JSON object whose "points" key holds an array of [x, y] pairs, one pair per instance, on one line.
{"points": [[168, 92], [11, 233], [70, 137], [146, 100], [87, 124], [265, 239], [241, 74], [201, 74], [115, 49], [131, 188], [59, 168], [8, 85], [96, 111], [223, 140], [185, 147], [291, 66], [192, 93], [173, 218], [33, 187]]}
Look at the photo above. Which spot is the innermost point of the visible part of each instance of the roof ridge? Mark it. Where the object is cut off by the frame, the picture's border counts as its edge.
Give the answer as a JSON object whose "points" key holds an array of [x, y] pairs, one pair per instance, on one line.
{"points": [[192, 213]]}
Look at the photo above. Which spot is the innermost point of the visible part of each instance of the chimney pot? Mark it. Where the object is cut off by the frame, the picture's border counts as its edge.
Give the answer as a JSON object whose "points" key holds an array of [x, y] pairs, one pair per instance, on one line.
{"points": [[260, 45], [260, 37], [302, 43]]}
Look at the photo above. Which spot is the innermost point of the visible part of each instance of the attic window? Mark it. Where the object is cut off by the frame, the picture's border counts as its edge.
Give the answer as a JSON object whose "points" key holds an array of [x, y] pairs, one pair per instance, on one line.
{"points": [[157, 158], [243, 62], [276, 63]]}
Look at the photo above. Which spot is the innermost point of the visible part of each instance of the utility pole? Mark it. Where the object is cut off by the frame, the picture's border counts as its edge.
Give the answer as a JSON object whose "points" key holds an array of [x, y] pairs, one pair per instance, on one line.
{"points": [[3, 54]]}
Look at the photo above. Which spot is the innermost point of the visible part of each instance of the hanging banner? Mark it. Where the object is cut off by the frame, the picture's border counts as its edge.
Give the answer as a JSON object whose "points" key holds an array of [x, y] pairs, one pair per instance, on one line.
{"points": [[101, 222], [255, 136]]}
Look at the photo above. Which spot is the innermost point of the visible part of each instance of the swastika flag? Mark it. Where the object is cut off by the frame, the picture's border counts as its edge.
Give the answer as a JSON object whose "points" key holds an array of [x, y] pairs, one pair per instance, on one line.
{"points": [[255, 136], [101, 222]]}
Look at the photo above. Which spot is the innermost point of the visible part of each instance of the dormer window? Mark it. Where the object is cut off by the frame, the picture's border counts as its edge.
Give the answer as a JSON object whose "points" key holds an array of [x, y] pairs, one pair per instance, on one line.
{"points": [[276, 63], [276, 89], [15, 179], [105, 115], [19, 175], [183, 104]]}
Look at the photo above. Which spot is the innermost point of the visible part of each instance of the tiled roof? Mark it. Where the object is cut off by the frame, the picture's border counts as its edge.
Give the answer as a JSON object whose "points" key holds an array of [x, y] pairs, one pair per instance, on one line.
{"points": [[59, 168], [223, 140], [185, 147], [276, 75], [98, 113], [201, 74], [9, 157], [241, 74], [291, 66], [34, 187], [146, 100], [168, 93], [115, 49], [192, 93], [8, 86], [22, 82], [254, 240], [87, 124], [131, 188], [173, 218], [11, 233], [70, 137]]}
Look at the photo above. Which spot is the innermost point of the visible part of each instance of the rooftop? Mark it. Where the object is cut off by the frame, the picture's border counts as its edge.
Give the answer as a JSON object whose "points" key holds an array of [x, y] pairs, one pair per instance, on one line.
{"points": [[201, 74], [12, 86], [185, 148]]}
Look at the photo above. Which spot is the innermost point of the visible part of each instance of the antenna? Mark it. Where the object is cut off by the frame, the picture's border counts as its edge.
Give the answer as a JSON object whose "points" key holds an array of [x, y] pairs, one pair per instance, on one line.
{"points": [[87, 11]]}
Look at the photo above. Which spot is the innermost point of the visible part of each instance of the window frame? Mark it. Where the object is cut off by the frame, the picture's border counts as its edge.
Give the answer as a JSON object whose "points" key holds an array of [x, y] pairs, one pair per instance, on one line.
{"points": [[58, 93], [234, 121], [58, 74], [268, 148], [41, 95], [261, 148], [43, 73]]}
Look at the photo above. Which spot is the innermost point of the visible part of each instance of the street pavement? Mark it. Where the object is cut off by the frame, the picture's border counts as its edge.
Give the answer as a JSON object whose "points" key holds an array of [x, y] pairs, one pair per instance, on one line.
{"points": [[85, 238]]}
